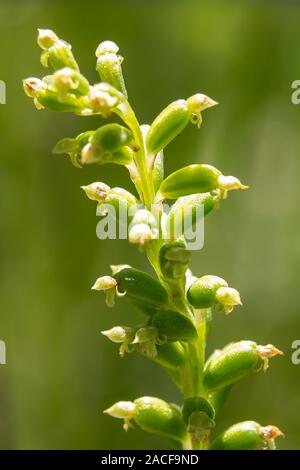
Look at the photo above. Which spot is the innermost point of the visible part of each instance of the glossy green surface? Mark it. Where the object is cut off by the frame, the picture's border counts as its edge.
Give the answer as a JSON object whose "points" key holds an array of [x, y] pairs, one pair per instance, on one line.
{"points": [[190, 180]]}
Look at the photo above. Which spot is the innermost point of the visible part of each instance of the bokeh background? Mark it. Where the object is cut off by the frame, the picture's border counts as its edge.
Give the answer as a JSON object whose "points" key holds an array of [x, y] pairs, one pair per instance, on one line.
{"points": [[60, 372]]}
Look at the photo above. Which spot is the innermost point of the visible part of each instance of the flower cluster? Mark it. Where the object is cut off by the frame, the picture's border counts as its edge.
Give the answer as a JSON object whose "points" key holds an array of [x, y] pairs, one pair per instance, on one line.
{"points": [[177, 306]]}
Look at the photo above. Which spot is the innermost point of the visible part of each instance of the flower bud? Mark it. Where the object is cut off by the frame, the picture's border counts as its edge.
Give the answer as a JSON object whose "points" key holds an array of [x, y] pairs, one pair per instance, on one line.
{"points": [[202, 293], [167, 125], [68, 80], [247, 435], [145, 340], [198, 103], [159, 417], [96, 191], [107, 47], [234, 362], [228, 183], [120, 334], [31, 86], [56, 52], [122, 410], [104, 283], [174, 260], [173, 326], [107, 284], [102, 99], [228, 297], [142, 234], [46, 38], [141, 287], [143, 216], [191, 179], [109, 65]]}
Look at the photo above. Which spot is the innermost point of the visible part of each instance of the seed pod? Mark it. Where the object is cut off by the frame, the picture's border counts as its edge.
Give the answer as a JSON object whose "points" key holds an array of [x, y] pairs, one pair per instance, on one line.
{"points": [[234, 362], [122, 156], [167, 125], [111, 137], [173, 326], [174, 259], [159, 417], [191, 179], [50, 99], [202, 293], [184, 213], [247, 435], [171, 355], [56, 52], [141, 287]]}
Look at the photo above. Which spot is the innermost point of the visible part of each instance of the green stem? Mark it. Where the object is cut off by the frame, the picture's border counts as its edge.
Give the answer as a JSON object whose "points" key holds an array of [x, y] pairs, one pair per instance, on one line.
{"points": [[127, 114]]}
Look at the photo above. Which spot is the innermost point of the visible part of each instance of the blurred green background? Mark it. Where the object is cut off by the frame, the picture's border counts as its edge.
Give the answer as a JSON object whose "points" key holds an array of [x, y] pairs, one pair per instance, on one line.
{"points": [[60, 372]]}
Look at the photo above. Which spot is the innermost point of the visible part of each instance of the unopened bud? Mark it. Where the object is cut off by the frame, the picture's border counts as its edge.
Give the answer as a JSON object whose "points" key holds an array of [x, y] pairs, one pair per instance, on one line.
{"points": [[31, 86], [107, 284], [46, 38], [106, 47], [143, 216], [141, 234], [96, 191], [228, 183], [228, 297], [200, 102], [117, 334], [104, 283], [69, 80], [122, 410]]}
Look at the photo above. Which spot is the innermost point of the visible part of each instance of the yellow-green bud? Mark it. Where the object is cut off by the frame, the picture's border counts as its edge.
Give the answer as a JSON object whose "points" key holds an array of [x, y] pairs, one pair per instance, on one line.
{"points": [[96, 191], [122, 410], [228, 297]]}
